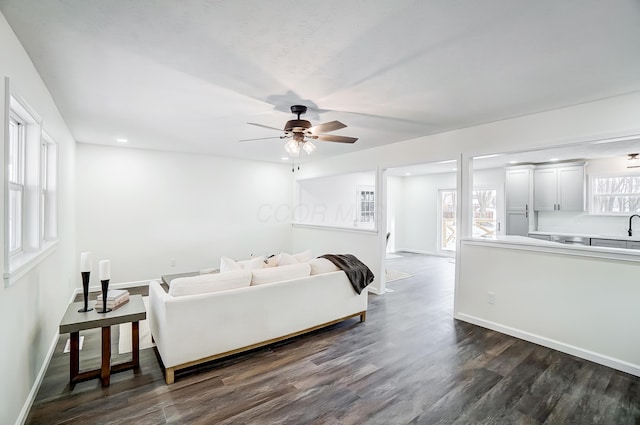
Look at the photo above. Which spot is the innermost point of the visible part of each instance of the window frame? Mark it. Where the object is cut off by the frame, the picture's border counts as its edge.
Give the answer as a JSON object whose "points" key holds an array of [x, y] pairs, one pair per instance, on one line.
{"points": [[366, 207], [16, 184], [38, 218], [592, 195]]}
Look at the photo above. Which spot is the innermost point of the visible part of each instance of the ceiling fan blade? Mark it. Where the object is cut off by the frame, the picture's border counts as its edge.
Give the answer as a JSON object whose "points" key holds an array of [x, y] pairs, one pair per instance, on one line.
{"points": [[260, 138], [327, 127], [265, 126], [339, 139]]}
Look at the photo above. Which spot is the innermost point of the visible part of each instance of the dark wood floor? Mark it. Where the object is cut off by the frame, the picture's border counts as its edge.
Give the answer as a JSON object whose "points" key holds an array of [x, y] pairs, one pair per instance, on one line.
{"points": [[409, 363]]}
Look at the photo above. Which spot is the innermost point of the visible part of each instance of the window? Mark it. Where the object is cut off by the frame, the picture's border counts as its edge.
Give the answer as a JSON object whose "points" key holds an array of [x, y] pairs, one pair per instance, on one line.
{"points": [[615, 194], [484, 213], [30, 191], [15, 172], [366, 199]]}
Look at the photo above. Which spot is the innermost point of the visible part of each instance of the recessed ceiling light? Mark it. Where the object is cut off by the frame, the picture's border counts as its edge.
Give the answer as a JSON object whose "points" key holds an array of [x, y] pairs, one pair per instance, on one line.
{"points": [[284, 158], [513, 162], [454, 169], [554, 159], [121, 140]]}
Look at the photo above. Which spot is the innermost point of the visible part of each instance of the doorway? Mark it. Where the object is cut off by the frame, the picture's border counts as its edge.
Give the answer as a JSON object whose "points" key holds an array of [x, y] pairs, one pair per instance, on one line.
{"points": [[447, 204]]}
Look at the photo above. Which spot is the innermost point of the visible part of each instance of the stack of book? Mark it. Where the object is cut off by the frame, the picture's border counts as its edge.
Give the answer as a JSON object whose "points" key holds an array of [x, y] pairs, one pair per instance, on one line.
{"points": [[115, 298]]}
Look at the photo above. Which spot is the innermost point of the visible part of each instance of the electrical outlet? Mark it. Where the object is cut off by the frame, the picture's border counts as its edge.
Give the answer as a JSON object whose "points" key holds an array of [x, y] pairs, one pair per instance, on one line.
{"points": [[491, 297], [173, 262]]}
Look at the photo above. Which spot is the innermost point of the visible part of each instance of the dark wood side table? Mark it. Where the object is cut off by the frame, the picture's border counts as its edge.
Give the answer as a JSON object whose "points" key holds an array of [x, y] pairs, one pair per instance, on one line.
{"points": [[73, 322], [167, 278]]}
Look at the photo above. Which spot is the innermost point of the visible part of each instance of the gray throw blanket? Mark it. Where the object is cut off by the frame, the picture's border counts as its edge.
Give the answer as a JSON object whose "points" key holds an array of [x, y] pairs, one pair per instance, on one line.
{"points": [[358, 273]]}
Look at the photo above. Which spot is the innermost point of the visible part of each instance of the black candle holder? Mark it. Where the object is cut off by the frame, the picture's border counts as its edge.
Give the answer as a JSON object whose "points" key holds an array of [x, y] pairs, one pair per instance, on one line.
{"points": [[85, 289], [105, 289]]}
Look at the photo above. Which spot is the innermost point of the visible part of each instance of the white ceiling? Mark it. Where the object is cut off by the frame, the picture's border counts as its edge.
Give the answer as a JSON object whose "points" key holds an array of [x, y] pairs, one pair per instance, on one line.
{"points": [[188, 75]]}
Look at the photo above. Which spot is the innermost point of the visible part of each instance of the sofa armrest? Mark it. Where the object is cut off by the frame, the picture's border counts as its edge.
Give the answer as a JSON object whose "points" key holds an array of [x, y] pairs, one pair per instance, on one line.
{"points": [[157, 314]]}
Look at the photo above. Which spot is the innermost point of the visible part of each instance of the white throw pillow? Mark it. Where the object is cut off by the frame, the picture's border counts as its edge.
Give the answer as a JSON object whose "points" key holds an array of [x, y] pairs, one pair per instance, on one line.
{"points": [[227, 264], [303, 256], [278, 274], [272, 262], [322, 265], [252, 263], [285, 259], [207, 283]]}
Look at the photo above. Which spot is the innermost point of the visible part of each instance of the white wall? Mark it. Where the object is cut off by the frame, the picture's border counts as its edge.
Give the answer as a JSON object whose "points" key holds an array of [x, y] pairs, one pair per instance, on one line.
{"points": [[412, 207], [394, 205], [419, 213], [610, 117], [141, 209], [31, 309], [584, 222], [332, 200], [581, 305]]}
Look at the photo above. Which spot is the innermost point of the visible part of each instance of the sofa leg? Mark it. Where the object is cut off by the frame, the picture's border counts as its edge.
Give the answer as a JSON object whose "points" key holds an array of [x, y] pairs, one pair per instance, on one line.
{"points": [[363, 316], [169, 375]]}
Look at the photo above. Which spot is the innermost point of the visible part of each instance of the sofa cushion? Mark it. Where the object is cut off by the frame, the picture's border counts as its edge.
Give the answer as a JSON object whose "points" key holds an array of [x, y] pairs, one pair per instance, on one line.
{"points": [[277, 274], [322, 265], [210, 283]]}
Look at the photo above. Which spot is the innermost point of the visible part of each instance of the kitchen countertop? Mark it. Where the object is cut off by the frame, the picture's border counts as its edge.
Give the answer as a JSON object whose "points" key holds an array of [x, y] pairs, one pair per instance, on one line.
{"points": [[635, 238], [533, 244]]}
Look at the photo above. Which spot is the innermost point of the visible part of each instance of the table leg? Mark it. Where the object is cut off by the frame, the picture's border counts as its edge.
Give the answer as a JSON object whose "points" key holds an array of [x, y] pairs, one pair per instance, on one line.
{"points": [[105, 372], [135, 344], [74, 351]]}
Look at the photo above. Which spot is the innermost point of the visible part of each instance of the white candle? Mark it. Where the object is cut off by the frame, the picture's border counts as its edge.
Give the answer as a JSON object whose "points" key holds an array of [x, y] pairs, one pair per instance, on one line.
{"points": [[105, 269], [85, 261]]}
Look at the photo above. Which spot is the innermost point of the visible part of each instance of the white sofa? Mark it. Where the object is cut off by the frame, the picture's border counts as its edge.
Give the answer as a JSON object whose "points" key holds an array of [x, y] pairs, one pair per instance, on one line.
{"points": [[192, 329]]}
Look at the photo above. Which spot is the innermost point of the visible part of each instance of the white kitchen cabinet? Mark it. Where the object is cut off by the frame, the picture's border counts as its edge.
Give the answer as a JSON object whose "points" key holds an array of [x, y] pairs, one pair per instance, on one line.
{"points": [[518, 188], [517, 223], [610, 243], [518, 198], [559, 188]]}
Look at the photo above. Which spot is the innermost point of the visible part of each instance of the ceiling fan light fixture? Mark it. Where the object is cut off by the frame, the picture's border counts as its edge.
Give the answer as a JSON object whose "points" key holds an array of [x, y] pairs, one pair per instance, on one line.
{"points": [[308, 147], [292, 148]]}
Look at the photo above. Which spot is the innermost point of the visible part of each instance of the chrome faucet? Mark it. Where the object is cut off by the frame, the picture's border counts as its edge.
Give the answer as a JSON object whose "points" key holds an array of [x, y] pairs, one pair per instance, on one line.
{"points": [[631, 218]]}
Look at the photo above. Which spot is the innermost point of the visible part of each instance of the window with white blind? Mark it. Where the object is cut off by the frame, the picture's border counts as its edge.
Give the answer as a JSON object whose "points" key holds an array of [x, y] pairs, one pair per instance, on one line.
{"points": [[30, 191], [615, 194], [15, 175]]}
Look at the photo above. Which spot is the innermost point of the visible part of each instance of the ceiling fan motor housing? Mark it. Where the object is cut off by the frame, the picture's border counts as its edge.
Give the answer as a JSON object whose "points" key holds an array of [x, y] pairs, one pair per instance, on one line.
{"points": [[297, 125]]}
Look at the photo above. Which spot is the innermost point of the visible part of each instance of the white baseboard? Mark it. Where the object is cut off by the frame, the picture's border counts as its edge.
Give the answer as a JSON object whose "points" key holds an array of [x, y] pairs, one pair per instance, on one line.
{"points": [[435, 254], [45, 364], [374, 291], [602, 359], [24, 413]]}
